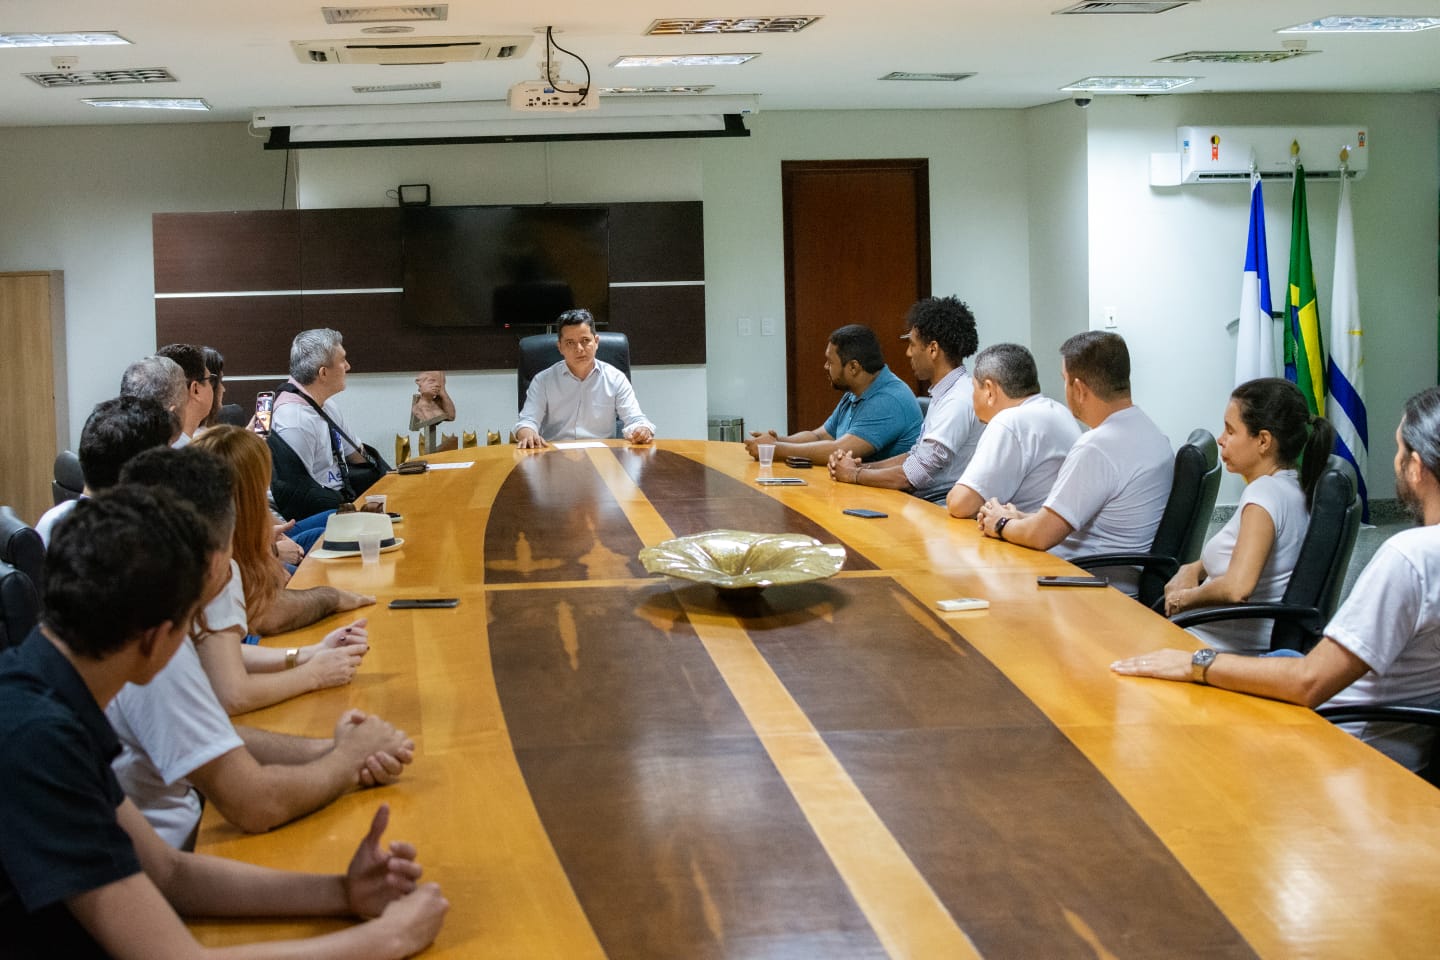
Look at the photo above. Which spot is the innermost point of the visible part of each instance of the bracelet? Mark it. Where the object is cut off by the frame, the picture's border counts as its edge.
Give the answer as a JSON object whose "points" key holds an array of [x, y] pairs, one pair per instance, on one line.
{"points": [[292, 657], [856, 479], [1000, 527]]}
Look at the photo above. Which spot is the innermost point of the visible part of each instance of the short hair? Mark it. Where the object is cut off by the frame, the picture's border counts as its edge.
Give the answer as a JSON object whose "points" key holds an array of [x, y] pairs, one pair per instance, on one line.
{"points": [[858, 342], [573, 318], [1009, 365], [1101, 359], [311, 350], [117, 430], [1420, 428], [196, 476], [946, 321], [190, 357], [156, 378], [124, 561]]}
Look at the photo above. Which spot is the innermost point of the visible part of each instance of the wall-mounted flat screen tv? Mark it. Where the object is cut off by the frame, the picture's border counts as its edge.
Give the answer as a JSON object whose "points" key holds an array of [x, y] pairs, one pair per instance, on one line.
{"points": [[504, 267]]}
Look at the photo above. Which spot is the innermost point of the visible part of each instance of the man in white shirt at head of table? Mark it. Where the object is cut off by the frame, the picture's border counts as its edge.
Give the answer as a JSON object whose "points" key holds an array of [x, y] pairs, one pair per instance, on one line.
{"points": [[582, 396]]}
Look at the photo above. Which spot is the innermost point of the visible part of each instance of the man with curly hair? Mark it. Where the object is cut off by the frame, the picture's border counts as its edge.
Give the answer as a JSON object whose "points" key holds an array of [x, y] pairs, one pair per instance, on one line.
{"points": [[941, 332]]}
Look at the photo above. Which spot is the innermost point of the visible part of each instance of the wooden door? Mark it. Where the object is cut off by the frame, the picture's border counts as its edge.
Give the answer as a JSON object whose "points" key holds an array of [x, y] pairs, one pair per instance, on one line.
{"points": [[33, 412], [857, 250]]}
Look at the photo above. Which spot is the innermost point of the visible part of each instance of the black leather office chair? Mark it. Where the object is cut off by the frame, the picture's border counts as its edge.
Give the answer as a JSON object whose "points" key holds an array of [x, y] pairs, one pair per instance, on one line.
{"points": [[69, 479], [21, 547], [1181, 532], [19, 606], [1314, 589], [540, 351], [1393, 713]]}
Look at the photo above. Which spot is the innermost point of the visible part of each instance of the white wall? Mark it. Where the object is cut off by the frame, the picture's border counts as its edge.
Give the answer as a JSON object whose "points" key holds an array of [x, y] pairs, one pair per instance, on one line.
{"points": [[1169, 259]]}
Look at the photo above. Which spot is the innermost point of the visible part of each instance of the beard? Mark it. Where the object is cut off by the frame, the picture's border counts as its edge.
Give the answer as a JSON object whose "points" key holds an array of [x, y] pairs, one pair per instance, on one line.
{"points": [[1409, 499]]}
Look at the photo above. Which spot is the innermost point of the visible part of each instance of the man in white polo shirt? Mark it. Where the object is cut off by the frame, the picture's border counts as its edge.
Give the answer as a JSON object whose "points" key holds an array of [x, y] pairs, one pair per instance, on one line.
{"points": [[1025, 441], [1113, 485]]}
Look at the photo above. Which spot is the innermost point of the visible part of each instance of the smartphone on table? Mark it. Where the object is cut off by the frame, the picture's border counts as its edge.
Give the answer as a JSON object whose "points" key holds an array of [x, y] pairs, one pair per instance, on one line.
{"points": [[1072, 581]]}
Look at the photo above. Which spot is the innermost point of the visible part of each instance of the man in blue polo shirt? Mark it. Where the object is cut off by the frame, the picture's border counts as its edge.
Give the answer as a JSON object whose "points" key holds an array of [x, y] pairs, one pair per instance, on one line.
{"points": [[878, 418]]}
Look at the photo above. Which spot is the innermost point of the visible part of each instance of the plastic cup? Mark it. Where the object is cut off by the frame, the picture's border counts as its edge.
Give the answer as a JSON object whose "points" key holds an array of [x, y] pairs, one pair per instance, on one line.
{"points": [[767, 453], [369, 547]]}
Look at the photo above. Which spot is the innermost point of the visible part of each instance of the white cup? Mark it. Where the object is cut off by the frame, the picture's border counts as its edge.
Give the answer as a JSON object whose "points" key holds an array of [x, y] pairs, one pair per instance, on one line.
{"points": [[767, 453], [369, 547], [376, 498]]}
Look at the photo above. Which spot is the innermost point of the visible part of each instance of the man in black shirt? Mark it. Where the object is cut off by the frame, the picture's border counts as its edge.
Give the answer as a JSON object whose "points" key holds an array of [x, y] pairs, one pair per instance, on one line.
{"points": [[82, 874]]}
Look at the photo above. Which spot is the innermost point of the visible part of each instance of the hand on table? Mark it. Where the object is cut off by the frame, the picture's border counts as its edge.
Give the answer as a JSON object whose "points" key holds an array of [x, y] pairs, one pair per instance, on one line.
{"points": [[756, 438], [845, 467], [991, 512], [527, 439], [1162, 664], [640, 435]]}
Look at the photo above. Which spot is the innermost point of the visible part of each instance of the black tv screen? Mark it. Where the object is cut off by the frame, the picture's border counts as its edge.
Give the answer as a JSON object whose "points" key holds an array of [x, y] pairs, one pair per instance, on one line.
{"points": [[504, 266]]}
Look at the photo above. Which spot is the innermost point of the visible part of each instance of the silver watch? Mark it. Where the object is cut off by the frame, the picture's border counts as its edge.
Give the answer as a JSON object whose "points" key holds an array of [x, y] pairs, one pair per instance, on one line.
{"points": [[1200, 663]]}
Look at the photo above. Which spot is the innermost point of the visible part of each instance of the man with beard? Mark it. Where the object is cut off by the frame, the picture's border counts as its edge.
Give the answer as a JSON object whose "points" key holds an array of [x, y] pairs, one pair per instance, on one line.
{"points": [[878, 418], [941, 335], [1383, 645]]}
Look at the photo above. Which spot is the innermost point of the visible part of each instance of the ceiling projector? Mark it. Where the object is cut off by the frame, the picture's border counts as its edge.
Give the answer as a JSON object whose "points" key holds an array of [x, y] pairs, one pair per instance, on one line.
{"points": [[540, 96]]}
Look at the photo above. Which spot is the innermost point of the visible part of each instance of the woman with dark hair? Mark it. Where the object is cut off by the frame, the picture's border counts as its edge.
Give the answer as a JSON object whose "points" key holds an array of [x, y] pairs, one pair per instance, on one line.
{"points": [[215, 363], [1268, 432]]}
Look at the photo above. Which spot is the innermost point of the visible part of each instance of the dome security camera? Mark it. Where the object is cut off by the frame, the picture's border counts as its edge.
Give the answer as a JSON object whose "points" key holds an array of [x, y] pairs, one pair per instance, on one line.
{"points": [[1083, 100]]}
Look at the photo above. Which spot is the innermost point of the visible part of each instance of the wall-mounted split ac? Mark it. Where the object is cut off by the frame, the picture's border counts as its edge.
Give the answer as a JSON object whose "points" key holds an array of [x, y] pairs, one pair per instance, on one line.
{"points": [[1229, 154]]}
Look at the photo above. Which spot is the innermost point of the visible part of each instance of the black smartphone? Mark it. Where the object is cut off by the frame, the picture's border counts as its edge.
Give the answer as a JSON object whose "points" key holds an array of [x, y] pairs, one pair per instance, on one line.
{"points": [[867, 514], [779, 481], [1072, 581], [424, 603], [799, 463], [264, 404]]}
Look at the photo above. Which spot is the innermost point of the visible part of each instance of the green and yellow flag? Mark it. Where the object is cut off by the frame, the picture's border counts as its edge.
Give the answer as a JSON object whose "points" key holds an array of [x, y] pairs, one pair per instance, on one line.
{"points": [[1304, 349]]}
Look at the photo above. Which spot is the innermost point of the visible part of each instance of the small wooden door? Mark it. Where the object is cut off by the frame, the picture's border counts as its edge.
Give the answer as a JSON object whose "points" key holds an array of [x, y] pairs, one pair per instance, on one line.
{"points": [[857, 250]]}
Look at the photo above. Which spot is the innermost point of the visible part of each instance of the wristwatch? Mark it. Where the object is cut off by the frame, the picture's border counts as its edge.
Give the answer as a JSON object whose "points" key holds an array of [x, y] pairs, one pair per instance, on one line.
{"points": [[1200, 664], [1000, 527], [292, 657]]}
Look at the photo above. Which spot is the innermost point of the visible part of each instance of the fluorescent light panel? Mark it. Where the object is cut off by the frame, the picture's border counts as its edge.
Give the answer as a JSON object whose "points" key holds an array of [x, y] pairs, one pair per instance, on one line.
{"points": [[1127, 84], [150, 103], [686, 60], [1235, 56], [84, 38], [88, 78], [936, 77], [1102, 7], [1356, 24], [677, 26]]}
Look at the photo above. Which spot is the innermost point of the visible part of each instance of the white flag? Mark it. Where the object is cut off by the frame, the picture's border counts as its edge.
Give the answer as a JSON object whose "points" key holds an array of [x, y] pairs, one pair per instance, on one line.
{"points": [[1345, 407]]}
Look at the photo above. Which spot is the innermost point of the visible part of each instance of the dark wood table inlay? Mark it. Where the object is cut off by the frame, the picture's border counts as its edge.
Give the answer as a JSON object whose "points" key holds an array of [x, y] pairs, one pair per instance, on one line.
{"points": [[992, 802], [693, 498], [678, 834], [553, 520]]}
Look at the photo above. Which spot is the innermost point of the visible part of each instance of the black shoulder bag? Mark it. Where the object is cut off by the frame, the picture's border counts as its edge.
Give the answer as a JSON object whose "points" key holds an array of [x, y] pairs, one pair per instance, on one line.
{"points": [[355, 478]]}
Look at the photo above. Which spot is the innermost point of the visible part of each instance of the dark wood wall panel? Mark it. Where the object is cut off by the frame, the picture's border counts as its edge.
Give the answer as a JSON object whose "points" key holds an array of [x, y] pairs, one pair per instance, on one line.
{"points": [[242, 250], [344, 249], [656, 241], [664, 324], [362, 249]]}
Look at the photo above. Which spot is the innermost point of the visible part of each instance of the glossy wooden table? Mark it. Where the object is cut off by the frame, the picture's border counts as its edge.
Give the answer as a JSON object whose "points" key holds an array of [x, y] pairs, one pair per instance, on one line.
{"points": [[614, 765]]}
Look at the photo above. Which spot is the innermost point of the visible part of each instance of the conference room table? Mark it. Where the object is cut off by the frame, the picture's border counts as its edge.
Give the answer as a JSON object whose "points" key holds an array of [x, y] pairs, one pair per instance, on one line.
{"points": [[614, 764]]}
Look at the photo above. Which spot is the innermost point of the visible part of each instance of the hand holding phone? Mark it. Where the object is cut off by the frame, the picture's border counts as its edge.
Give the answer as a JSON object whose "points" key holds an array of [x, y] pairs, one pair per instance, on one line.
{"points": [[264, 405]]}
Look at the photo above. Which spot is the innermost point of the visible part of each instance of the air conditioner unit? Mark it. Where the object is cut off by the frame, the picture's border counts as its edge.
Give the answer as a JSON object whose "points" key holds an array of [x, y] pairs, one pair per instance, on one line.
{"points": [[410, 50], [1227, 154]]}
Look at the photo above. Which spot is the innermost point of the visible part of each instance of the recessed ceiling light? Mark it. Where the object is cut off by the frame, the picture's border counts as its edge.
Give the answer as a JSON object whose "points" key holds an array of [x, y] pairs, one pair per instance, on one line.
{"points": [[84, 38], [1124, 6], [678, 89], [1127, 84], [397, 87], [686, 60], [940, 77], [678, 26], [88, 78], [1345, 24], [429, 11], [1236, 56], [151, 103]]}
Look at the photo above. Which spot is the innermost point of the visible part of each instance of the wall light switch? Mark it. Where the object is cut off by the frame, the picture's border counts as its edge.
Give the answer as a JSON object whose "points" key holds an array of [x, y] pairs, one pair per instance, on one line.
{"points": [[744, 327], [767, 326], [1110, 323]]}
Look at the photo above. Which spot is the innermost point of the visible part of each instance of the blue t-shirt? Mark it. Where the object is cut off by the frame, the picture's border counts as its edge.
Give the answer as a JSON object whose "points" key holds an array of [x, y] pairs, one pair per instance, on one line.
{"points": [[887, 416]]}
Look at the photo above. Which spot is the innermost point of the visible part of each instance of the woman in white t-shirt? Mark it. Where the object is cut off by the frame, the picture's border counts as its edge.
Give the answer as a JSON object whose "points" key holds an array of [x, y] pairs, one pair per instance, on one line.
{"points": [[1268, 431]]}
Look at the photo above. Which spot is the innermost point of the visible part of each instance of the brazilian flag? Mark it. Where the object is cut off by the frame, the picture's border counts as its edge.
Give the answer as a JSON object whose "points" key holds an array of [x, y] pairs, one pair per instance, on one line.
{"points": [[1304, 349]]}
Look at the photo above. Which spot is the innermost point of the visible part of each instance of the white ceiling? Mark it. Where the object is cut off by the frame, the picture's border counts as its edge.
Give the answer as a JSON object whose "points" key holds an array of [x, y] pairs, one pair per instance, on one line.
{"points": [[237, 55]]}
